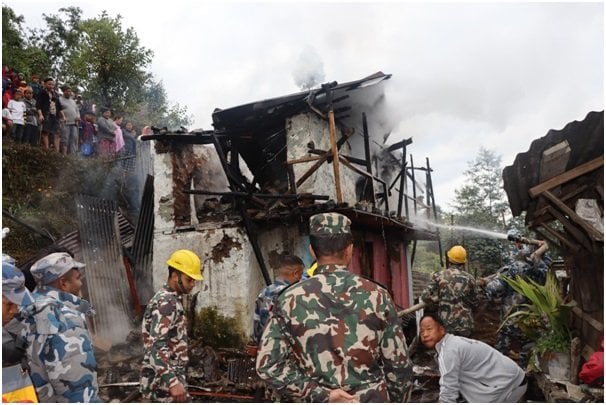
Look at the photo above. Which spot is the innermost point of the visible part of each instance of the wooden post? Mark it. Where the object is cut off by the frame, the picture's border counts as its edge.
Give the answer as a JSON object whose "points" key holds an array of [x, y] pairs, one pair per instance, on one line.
{"points": [[575, 360], [335, 154], [368, 157]]}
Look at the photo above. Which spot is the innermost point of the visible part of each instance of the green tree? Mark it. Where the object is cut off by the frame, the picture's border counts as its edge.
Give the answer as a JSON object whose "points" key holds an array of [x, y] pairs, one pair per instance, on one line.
{"points": [[111, 63], [156, 110], [12, 38], [57, 40], [105, 61], [481, 203], [427, 257], [17, 52]]}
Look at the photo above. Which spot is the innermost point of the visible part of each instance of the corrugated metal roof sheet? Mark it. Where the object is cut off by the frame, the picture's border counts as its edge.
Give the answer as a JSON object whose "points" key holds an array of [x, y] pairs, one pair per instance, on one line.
{"points": [[106, 279], [586, 140]]}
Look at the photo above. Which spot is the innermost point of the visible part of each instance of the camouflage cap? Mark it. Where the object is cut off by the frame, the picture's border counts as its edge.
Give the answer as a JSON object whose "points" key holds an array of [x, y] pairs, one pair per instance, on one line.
{"points": [[329, 223], [53, 266], [13, 286]]}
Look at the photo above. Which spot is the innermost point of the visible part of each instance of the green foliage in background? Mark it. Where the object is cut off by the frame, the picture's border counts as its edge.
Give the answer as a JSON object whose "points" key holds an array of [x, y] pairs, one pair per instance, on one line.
{"points": [[481, 203], [102, 60], [427, 257], [39, 187], [217, 330]]}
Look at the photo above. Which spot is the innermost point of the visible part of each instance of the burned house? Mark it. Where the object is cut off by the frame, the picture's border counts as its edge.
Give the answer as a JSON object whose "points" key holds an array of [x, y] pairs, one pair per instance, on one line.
{"points": [[241, 195], [558, 184]]}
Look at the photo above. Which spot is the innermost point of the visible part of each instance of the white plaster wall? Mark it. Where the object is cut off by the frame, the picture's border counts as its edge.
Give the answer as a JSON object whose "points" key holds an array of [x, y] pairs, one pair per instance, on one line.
{"points": [[304, 128], [163, 192], [233, 279], [231, 283], [212, 177]]}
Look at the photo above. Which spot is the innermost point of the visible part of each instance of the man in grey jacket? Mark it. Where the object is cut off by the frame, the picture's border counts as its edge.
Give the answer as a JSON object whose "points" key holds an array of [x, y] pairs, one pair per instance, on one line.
{"points": [[472, 368]]}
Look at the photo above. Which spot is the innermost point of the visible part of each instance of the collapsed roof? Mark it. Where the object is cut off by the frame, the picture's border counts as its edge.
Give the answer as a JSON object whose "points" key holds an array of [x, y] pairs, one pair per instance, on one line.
{"points": [[257, 130]]}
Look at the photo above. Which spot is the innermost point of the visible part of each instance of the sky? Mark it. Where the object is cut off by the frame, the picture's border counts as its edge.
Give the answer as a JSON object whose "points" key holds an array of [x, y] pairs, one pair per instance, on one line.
{"points": [[465, 75]]}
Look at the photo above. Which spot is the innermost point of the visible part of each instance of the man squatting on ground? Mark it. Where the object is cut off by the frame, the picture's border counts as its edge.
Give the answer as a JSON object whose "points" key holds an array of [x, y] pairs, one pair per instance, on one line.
{"points": [[471, 368], [334, 337]]}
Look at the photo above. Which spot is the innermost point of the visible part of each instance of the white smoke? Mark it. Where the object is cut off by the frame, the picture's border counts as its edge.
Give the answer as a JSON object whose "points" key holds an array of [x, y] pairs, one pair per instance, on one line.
{"points": [[309, 70]]}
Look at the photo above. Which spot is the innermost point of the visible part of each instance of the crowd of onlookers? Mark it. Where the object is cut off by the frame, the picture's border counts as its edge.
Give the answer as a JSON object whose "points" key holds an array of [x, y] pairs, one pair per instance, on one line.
{"points": [[36, 113]]}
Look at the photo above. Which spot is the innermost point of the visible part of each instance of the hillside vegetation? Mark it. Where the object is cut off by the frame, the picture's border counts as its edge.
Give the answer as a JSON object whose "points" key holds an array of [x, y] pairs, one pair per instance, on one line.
{"points": [[39, 188]]}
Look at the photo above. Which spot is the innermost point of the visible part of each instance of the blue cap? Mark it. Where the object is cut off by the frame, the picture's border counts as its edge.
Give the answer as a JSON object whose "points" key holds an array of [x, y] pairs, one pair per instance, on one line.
{"points": [[13, 286]]}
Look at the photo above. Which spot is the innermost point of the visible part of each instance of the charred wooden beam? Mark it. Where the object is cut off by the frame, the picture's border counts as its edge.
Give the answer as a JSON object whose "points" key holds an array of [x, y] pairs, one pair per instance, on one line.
{"points": [[590, 230], [312, 169], [250, 227], [598, 326], [351, 159], [303, 160], [574, 231], [548, 238], [370, 176], [431, 199], [259, 195], [399, 145], [195, 138], [566, 176], [335, 152], [44, 233], [564, 198], [403, 179], [347, 163], [367, 156], [573, 247]]}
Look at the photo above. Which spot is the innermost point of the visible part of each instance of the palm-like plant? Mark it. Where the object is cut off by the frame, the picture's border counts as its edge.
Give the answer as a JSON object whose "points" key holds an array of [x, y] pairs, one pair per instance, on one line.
{"points": [[544, 319]]}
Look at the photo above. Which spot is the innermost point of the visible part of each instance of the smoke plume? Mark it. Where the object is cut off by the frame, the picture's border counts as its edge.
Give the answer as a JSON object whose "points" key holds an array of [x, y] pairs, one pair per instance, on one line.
{"points": [[309, 71]]}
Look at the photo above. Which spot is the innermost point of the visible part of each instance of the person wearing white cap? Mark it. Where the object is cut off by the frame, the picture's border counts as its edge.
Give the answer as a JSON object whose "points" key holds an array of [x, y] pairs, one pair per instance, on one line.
{"points": [[59, 345]]}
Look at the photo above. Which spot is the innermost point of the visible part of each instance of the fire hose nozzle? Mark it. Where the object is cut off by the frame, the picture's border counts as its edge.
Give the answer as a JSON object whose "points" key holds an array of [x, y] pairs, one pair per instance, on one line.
{"points": [[515, 237]]}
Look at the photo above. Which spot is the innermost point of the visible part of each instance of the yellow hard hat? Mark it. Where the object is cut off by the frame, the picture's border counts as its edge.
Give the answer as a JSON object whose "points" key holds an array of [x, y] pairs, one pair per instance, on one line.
{"points": [[312, 269], [187, 262], [457, 254]]}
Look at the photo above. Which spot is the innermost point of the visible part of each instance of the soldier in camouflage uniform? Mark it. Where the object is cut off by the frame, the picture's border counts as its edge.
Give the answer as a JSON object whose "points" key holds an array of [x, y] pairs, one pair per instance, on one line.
{"points": [[165, 341], [59, 345], [334, 337], [527, 264], [14, 295], [14, 359], [289, 271], [454, 292]]}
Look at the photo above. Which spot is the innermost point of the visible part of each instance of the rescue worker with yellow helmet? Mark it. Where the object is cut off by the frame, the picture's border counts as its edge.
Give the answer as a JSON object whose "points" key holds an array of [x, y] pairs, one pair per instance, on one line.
{"points": [[165, 341], [452, 294]]}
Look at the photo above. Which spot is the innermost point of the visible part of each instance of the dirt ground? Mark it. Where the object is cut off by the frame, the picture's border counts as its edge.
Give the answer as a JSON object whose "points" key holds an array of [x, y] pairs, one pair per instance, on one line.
{"points": [[228, 375]]}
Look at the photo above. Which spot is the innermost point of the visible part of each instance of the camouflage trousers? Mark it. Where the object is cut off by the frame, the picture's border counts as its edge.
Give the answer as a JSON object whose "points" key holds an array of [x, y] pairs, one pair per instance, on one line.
{"points": [[507, 336], [152, 390]]}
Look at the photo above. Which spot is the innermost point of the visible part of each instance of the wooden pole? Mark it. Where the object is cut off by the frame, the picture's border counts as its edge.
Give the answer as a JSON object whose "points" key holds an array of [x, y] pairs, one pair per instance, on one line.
{"points": [[335, 161], [368, 157]]}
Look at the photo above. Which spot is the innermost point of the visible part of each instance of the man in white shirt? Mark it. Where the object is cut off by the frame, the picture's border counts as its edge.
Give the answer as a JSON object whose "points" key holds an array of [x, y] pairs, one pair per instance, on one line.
{"points": [[472, 368], [69, 130]]}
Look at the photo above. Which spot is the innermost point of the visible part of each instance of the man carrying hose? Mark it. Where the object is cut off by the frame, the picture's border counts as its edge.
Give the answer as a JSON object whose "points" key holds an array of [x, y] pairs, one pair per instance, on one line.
{"points": [[454, 292], [524, 262]]}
